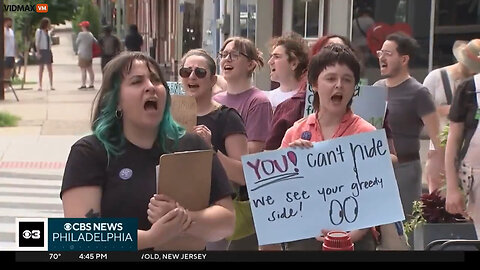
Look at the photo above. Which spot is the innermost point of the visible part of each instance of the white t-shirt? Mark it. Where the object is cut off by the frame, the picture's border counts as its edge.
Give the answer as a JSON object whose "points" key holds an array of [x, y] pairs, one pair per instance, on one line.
{"points": [[277, 96], [9, 42], [434, 84], [42, 39]]}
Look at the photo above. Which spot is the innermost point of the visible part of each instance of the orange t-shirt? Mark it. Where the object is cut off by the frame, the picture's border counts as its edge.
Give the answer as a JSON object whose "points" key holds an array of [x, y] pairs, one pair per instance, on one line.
{"points": [[309, 129]]}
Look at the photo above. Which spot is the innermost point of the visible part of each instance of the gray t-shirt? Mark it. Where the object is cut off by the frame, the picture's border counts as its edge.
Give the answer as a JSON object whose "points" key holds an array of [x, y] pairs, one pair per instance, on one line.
{"points": [[408, 102], [255, 109], [84, 43]]}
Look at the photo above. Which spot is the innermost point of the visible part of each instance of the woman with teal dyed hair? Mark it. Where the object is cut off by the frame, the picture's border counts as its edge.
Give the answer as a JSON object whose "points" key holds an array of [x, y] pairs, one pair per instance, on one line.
{"points": [[112, 173]]}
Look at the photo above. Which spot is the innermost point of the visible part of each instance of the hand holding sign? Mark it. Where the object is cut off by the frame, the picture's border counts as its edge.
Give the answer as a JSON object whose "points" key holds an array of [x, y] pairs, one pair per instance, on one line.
{"points": [[344, 184], [184, 111]]}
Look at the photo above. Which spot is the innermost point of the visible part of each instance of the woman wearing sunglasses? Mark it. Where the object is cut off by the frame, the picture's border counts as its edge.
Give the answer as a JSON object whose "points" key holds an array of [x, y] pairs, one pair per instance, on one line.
{"points": [[219, 126]]}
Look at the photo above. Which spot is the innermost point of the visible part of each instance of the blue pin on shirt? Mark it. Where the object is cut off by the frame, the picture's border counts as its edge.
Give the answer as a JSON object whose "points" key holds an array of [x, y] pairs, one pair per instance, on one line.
{"points": [[306, 135]]}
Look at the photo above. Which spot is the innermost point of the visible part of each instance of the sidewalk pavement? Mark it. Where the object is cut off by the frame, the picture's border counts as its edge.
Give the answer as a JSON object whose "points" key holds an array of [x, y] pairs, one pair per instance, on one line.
{"points": [[51, 121]]}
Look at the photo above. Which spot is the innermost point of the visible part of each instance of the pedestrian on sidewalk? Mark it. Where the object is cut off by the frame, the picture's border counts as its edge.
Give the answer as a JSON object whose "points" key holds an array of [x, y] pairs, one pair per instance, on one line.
{"points": [[132, 127], [9, 47], [84, 42], [43, 44], [110, 45], [133, 40]]}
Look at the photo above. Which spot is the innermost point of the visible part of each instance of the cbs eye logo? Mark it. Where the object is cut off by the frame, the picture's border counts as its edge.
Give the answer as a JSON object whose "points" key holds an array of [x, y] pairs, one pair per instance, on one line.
{"points": [[31, 234]]}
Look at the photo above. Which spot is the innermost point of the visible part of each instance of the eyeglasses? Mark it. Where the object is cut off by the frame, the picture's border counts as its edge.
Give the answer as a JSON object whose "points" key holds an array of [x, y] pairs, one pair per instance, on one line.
{"points": [[234, 55], [185, 72], [380, 53]]}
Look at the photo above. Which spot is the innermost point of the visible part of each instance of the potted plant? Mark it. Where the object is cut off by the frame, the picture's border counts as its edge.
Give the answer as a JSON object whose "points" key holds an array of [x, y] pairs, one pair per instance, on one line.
{"points": [[430, 221]]}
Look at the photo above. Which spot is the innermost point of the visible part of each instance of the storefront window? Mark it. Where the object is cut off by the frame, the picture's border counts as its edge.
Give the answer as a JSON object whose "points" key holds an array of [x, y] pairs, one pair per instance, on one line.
{"points": [[305, 17], [465, 12], [454, 20], [192, 25], [248, 17], [373, 20]]}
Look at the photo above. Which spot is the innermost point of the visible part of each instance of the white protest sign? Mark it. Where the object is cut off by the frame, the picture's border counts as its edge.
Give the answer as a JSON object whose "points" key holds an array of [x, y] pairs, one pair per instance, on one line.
{"points": [[175, 88], [308, 101], [345, 183], [369, 102]]}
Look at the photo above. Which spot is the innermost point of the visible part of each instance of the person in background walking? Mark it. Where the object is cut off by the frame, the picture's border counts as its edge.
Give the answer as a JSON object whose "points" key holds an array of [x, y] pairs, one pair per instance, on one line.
{"points": [[43, 43], [84, 42], [133, 41], [110, 45], [9, 47]]}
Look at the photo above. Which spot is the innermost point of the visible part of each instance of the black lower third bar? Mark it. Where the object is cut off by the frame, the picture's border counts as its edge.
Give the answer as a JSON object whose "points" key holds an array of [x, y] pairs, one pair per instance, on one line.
{"points": [[236, 256]]}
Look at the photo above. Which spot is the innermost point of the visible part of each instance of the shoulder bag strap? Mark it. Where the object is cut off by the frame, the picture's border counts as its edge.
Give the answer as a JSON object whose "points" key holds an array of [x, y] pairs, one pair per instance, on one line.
{"points": [[360, 28], [446, 86]]}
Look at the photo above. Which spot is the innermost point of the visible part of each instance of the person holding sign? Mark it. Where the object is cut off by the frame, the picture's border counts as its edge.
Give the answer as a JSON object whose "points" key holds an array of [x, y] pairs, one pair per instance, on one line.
{"points": [[333, 74], [112, 173], [219, 126]]}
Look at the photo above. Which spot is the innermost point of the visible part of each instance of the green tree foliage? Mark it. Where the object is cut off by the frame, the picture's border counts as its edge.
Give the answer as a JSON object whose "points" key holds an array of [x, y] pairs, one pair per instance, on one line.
{"points": [[87, 12], [8, 120]]}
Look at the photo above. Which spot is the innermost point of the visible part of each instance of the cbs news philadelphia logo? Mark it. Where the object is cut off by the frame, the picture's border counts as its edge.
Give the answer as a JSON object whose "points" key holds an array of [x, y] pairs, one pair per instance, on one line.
{"points": [[31, 234]]}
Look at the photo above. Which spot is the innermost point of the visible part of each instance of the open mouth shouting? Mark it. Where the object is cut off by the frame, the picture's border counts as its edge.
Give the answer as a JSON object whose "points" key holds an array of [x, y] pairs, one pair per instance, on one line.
{"points": [[227, 67], [337, 98], [383, 65], [151, 105], [193, 86]]}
